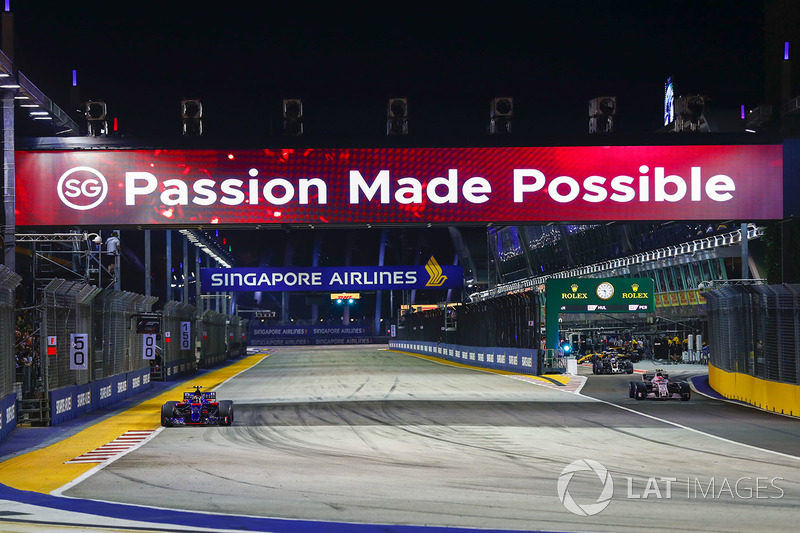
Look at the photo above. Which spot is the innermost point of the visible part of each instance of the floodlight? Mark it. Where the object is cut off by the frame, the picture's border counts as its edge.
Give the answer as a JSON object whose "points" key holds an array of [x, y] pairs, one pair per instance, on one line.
{"points": [[293, 117], [397, 116], [501, 112]]}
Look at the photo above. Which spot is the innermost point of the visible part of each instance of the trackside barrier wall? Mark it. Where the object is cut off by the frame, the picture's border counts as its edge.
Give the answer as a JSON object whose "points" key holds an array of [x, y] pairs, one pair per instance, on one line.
{"points": [[9, 281], [178, 356], [510, 320], [518, 360], [121, 347], [68, 402], [212, 336], [500, 333], [117, 368], [754, 335], [238, 329]]}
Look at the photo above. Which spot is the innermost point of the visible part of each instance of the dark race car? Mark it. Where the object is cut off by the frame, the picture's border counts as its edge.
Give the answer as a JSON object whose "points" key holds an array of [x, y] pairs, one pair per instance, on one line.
{"points": [[611, 365], [197, 409], [657, 385]]}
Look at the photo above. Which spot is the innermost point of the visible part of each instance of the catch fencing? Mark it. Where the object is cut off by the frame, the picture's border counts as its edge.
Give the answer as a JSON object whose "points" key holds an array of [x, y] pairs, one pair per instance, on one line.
{"points": [[9, 281], [177, 356], [213, 346], [511, 321], [105, 316], [755, 330], [238, 331], [500, 333]]}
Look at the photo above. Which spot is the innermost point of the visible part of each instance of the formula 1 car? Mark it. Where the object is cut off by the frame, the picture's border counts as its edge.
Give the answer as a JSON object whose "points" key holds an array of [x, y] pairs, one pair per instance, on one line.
{"points": [[197, 409], [657, 385], [611, 365]]}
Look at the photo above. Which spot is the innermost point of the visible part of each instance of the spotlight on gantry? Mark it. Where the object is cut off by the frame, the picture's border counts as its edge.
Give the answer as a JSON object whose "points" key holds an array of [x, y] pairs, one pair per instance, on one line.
{"points": [[397, 116], [292, 117], [192, 116], [601, 114], [501, 113]]}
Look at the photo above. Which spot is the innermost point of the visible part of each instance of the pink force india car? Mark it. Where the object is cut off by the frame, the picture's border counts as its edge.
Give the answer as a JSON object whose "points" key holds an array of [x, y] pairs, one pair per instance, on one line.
{"points": [[657, 385]]}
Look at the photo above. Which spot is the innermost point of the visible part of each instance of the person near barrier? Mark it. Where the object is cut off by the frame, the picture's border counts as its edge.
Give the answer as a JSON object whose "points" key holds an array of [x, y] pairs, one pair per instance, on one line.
{"points": [[112, 251]]}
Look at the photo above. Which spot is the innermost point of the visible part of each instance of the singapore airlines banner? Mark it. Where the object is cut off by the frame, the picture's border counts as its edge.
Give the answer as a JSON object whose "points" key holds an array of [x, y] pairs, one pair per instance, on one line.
{"points": [[332, 279], [399, 185]]}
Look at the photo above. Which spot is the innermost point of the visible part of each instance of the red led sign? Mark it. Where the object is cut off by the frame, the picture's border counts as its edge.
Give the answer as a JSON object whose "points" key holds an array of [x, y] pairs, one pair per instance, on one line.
{"points": [[399, 185]]}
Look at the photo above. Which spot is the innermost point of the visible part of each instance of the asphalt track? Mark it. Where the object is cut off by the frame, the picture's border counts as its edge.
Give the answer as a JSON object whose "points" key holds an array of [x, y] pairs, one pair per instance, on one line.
{"points": [[364, 439]]}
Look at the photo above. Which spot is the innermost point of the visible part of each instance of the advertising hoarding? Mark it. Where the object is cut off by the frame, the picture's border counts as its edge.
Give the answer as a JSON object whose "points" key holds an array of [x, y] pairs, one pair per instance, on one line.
{"points": [[399, 185]]}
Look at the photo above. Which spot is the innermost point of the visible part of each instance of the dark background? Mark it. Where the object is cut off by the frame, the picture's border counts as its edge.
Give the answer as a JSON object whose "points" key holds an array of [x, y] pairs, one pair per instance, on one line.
{"points": [[449, 59]]}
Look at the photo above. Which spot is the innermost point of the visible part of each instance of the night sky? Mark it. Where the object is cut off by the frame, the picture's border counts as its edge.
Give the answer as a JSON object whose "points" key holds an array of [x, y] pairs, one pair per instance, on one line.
{"points": [[449, 59]]}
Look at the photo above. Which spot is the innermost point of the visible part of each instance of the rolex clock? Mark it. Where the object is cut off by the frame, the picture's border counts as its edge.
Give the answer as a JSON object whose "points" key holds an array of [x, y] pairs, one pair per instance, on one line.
{"points": [[605, 290]]}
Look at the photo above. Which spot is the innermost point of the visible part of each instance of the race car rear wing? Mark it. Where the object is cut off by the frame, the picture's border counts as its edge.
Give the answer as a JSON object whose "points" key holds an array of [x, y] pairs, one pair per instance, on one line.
{"points": [[208, 396]]}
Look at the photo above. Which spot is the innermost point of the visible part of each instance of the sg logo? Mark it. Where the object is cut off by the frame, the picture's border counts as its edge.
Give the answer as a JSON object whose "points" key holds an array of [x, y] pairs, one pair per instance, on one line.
{"points": [[80, 191]]}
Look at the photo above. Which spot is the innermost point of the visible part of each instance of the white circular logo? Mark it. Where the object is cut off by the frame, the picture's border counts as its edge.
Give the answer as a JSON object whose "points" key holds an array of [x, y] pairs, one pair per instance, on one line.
{"points": [[80, 191], [587, 509]]}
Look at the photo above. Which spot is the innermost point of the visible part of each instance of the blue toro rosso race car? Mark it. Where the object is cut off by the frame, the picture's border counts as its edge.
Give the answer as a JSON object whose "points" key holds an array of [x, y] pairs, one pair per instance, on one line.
{"points": [[197, 409]]}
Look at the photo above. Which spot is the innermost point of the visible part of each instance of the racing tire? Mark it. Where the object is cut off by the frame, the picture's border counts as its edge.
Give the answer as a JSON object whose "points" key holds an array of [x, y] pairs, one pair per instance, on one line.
{"points": [[641, 391], [226, 412], [167, 412], [686, 392], [630, 368], [632, 389]]}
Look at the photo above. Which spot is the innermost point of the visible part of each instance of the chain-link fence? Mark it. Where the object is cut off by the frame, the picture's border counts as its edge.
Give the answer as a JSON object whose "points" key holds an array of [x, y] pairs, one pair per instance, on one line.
{"points": [[8, 283], [238, 329], [755, 330], [105, 316], [505, 321], [67, 309], [214, 345], [178, 320]]}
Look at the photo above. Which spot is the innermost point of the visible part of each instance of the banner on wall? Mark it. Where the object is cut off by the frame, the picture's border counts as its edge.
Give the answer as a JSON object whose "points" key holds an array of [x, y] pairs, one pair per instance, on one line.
{"points": [[399, 185], [335, 279]]}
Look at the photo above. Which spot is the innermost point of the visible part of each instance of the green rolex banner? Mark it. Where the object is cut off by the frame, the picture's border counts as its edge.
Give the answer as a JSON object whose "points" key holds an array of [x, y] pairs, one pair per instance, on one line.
{"points": [[595, 295]]}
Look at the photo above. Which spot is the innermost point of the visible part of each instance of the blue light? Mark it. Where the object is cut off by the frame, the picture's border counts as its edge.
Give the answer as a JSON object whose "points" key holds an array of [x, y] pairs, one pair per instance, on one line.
{"points": [[786, 51], [74, 78]]}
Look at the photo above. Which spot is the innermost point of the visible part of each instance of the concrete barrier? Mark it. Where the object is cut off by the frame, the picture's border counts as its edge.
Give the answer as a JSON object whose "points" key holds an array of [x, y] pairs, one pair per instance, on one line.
{"points": [[519, 360], [768, 395]]}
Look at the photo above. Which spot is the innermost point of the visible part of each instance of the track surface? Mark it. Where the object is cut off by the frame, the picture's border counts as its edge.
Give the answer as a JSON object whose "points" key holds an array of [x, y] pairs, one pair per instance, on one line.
{"points": [[366, 435]]}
